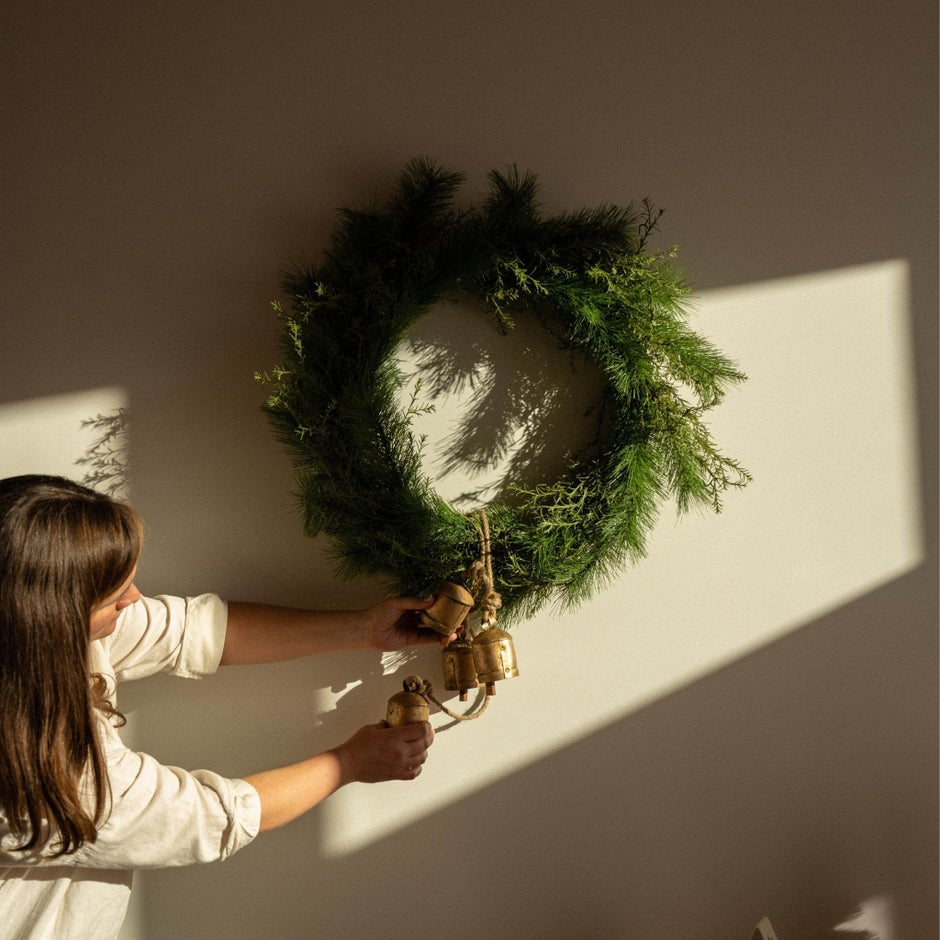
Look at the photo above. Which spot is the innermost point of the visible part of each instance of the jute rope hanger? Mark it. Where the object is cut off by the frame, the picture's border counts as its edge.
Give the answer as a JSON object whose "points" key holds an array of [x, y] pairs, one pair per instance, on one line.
{"points": [[425, 690], [487, 601], [480, 659], [480, 572]]}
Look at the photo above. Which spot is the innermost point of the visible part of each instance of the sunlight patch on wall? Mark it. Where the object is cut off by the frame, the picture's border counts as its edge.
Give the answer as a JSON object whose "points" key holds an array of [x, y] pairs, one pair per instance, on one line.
{"points": [[81, 435], [875, 919], [826, 425]]}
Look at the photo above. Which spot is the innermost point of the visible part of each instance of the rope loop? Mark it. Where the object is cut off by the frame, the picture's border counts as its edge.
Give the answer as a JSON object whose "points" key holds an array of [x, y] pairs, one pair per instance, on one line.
{"points": [[425, 689]]}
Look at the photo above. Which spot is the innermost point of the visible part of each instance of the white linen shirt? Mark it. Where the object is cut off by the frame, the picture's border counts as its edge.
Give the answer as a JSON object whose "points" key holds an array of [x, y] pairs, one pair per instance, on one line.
{"points": [[158, 816]]}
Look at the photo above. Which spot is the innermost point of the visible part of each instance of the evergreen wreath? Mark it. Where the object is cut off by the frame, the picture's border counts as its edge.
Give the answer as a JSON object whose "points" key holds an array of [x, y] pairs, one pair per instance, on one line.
{"points": [[588, 277]]}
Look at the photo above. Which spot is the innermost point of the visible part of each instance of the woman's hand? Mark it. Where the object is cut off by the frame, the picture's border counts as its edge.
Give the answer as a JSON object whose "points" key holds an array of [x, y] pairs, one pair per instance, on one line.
{"points": [[376, 753], [373, 754], [394, 623]]}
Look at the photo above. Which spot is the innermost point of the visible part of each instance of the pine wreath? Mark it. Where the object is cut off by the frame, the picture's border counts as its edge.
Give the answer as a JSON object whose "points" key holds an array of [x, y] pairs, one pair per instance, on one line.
{"points": [[589, 278]]}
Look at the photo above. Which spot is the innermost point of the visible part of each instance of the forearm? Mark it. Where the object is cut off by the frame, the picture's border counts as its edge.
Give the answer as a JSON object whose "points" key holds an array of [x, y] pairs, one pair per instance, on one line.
{"points": [[260, 633], [289, 792], [373, 754]]}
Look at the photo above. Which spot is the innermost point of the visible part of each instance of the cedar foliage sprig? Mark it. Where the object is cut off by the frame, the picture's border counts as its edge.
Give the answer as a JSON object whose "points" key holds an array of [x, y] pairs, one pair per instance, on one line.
{"points": [[589, 276]]}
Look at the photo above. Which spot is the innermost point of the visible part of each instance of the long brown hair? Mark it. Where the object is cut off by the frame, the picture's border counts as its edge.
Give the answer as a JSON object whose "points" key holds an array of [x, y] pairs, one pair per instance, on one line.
{"points": [[63, 549]]}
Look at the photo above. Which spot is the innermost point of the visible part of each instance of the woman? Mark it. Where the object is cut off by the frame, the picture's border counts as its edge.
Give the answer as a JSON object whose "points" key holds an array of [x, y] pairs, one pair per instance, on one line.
{"points": [[78, 810]]}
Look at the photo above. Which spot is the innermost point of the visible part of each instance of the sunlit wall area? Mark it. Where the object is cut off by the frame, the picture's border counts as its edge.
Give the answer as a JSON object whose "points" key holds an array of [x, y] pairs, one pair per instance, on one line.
{"points": [[82, 435], [825, 424]]}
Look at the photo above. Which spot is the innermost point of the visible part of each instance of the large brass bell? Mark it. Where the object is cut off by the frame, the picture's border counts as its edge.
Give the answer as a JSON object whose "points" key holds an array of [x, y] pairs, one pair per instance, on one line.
{"points": [[494, 658], [460, 672], [407, 707], [449, 610]]}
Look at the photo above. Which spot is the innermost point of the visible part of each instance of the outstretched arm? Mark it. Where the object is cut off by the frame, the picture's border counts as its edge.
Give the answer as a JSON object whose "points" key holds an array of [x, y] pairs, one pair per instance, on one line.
{"points": [[260, 633], [373, 754]]}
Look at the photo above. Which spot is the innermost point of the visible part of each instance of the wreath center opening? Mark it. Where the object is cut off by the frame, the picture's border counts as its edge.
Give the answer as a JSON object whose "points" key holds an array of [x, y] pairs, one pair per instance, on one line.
{"points": [[494, 408]]}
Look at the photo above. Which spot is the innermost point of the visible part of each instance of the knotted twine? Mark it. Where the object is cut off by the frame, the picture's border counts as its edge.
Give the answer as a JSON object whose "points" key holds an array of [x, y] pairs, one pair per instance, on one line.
{"points": [[424, 689], [487, 600], [480, 573]]}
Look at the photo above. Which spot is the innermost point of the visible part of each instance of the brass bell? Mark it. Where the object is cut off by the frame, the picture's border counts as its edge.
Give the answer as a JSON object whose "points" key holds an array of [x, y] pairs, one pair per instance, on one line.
{"points": [[449, 610], [407, 707], [460, 673], [494, 657]]}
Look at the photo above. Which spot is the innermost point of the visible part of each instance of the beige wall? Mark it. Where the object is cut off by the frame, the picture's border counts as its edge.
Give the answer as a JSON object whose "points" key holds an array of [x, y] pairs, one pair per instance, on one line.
{"points": [[760, 732]]}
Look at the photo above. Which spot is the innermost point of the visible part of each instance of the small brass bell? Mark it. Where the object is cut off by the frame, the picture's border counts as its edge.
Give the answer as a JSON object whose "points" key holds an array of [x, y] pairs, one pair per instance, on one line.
{"points": [[494, 657], [407, 707], [460, 673], [449, 610]]}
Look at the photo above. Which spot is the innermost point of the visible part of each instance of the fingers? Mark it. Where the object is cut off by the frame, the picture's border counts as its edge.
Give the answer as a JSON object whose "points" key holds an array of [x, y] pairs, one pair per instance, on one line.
{"points": [[378, 752], [425, 635], [428, 635], [414, 739], [414, 767], [411, 749], [395, 623]]}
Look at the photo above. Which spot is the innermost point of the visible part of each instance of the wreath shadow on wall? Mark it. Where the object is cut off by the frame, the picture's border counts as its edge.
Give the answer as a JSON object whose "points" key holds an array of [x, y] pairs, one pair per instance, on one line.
{"points": [[527, 403]]}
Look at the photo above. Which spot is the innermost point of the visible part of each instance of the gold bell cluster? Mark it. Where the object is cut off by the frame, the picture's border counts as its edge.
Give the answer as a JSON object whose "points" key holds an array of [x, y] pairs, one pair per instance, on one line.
{"points": [[481, 660], [469, 662]]}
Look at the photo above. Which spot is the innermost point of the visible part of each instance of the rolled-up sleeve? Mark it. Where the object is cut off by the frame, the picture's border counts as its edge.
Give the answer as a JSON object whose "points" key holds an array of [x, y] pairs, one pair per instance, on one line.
{"points": [[179, 635], [158, 816], [167, 817], [162, 817]]}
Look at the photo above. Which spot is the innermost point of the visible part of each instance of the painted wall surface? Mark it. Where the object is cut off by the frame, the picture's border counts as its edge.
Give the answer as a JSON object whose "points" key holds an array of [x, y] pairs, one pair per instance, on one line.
{"points": [[745, 724]]}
